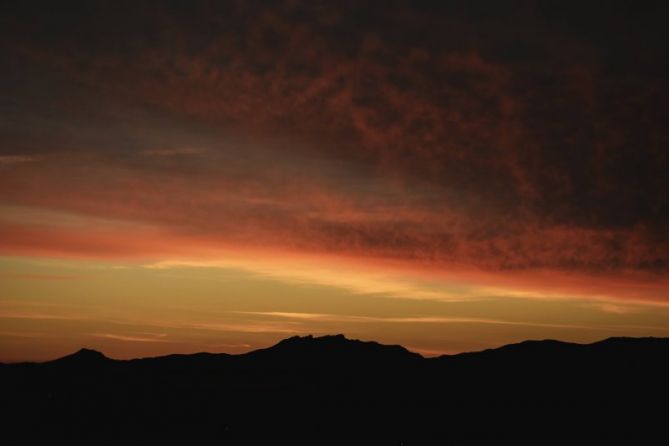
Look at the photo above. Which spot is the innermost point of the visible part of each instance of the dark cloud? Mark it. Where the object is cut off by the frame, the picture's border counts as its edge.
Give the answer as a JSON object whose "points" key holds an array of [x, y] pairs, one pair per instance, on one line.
{"points": [[507, 135]]}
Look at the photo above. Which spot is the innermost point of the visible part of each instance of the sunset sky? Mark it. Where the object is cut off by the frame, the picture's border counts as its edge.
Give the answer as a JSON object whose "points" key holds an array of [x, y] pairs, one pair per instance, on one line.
{"points": [[216, 176]]}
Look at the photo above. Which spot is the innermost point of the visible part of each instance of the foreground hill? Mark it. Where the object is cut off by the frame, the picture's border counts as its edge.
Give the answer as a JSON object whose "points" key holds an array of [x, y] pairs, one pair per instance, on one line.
{"points": [[332, 390]]}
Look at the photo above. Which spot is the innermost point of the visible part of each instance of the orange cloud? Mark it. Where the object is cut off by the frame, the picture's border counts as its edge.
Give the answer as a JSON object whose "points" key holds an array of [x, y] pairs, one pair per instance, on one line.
{"points": [[305, 135], [354, 268]]}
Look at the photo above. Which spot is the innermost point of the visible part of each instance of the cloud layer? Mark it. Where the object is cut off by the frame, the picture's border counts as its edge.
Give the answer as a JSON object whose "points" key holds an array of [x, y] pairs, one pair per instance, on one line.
{"points": [[501, 139]]}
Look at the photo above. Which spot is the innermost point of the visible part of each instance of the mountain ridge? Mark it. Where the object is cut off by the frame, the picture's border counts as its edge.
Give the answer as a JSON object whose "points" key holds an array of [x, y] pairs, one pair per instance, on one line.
{"points": [[309, 342], [333, 390]]}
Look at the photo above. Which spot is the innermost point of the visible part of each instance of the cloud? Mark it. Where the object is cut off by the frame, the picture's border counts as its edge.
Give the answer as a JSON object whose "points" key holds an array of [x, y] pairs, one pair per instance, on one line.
{"points": [[21, 334], [427, 135], [7, 160], [357, 269], [319, 317], [616, 309], [183, 151], [313, 271], [446, 283], [236, 327], [33, 276], [37, 316], [155, 337]]}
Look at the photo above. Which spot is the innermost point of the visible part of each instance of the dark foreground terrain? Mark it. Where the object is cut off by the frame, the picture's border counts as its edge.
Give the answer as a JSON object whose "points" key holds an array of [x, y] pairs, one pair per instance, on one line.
{"points": [[331, 390]]}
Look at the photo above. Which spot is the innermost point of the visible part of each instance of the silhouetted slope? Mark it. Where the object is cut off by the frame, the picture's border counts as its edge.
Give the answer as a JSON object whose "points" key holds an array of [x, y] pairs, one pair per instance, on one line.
{"points": [[332, 390], [82, 357], [334, 350]]}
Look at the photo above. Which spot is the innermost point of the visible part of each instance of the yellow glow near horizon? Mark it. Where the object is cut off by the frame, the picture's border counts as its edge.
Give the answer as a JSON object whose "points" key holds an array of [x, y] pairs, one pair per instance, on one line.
{"points": [[51, 307]]}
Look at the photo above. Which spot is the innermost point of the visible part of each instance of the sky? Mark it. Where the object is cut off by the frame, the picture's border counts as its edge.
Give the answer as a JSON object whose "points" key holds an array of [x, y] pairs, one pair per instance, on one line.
{"points": [[450, 176]]}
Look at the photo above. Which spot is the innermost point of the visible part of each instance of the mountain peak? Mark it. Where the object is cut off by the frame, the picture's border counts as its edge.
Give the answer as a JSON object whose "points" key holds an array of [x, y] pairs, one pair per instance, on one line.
{"points": [[311, 339], [336, 341], [335, 348], [89, 353], [84, 356]]}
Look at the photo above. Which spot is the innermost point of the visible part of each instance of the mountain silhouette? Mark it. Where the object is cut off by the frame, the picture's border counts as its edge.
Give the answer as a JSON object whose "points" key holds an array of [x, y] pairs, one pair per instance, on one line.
{"points": [[82, 357], [334, 390], [334, 350]]}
